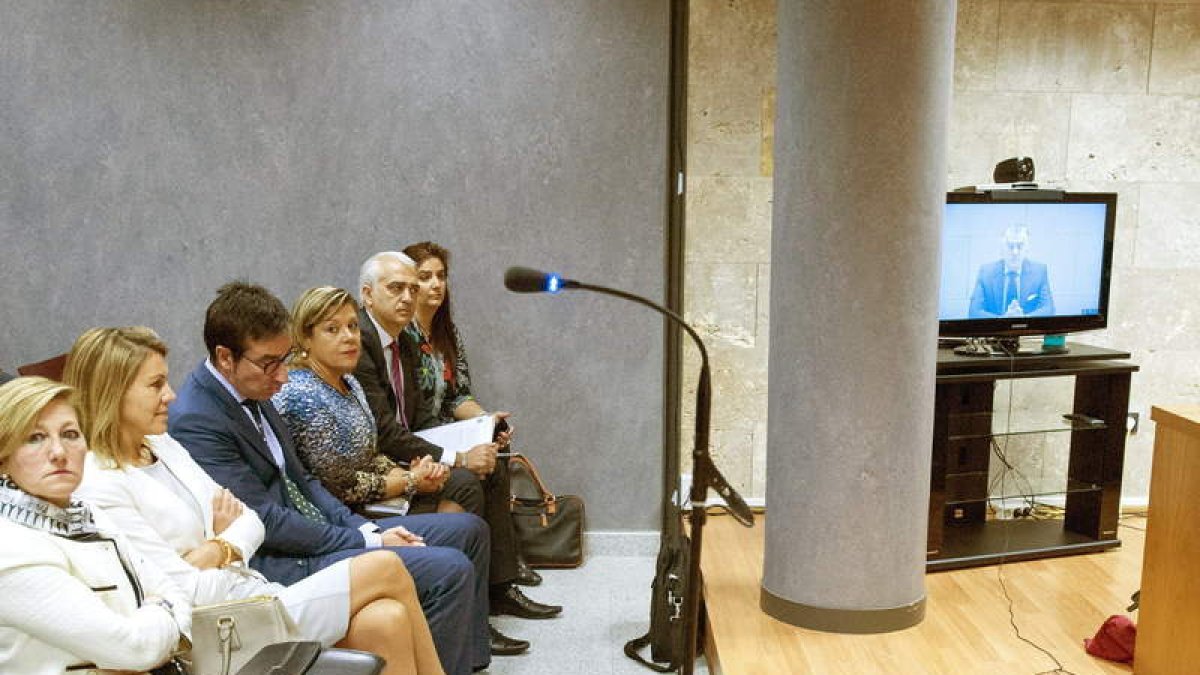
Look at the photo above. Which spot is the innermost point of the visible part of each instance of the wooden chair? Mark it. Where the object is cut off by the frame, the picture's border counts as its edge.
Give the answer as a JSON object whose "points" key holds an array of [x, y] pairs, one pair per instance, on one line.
{"points": [[52, 368]]}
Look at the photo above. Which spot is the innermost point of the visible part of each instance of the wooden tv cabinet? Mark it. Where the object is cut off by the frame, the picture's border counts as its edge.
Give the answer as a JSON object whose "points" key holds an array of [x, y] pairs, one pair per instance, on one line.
{"points": [[960, 533]]}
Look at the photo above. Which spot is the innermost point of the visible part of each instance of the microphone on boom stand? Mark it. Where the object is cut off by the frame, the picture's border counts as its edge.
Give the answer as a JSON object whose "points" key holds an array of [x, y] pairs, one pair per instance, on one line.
{"points": [[705, 474], [527, 280]]}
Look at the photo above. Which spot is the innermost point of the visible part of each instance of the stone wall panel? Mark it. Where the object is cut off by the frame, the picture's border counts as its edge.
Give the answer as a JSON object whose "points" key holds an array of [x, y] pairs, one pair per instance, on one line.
{"points": [[1175, 61], [1095, 47], [988, 127], [1168, 234], [728, 219], [975, 45], [1135, 138]]}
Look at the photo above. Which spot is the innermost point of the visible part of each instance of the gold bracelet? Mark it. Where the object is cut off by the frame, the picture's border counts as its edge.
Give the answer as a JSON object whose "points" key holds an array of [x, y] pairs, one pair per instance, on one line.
{"points": [[226, 551]]}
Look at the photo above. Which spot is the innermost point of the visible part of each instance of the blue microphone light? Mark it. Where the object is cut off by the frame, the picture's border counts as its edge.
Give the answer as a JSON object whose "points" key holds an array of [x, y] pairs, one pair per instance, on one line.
{"points": [[553, 283]]}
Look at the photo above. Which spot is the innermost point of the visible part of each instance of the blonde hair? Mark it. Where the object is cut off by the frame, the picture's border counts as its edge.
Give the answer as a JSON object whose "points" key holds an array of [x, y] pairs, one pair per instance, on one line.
{"points": [[101, 367], [313, 307], [21, 403]]}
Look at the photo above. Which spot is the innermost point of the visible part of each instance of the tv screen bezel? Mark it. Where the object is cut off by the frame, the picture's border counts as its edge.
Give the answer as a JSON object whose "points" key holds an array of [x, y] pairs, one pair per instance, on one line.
{"points": [[1039, 325]]}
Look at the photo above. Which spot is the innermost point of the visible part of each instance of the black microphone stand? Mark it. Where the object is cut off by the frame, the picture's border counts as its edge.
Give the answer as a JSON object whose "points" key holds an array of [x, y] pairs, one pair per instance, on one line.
{"points": [[704, 473]]}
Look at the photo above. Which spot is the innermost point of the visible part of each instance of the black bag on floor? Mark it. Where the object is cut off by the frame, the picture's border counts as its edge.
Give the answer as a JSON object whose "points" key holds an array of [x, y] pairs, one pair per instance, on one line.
{"points": [[666, 634]]}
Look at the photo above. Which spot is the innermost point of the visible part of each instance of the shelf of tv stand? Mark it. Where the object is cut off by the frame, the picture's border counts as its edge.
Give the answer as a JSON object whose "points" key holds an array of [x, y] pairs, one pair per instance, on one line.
{"points": [[1035, 496], [996, 541], [1078, 356], [983, 425], [960, 534]]}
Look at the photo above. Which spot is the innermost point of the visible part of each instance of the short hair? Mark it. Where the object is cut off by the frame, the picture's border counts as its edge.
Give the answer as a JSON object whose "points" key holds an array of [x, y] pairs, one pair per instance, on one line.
{"points": [[21, 402], [101, 367], [313, 307], [242, 312], [368, 274]]}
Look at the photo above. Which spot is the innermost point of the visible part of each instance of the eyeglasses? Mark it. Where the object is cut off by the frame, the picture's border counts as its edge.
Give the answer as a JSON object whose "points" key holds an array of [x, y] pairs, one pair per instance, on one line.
{"points": [[271, 365]]}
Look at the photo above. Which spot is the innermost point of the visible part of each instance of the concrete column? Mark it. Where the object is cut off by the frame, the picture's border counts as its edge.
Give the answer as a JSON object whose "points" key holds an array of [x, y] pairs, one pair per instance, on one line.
{"points": [[860, 175]]}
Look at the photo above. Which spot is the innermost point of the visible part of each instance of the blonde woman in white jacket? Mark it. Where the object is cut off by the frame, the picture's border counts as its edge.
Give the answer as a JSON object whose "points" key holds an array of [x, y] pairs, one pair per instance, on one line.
{"points": [[199, 533], [74, 594]]}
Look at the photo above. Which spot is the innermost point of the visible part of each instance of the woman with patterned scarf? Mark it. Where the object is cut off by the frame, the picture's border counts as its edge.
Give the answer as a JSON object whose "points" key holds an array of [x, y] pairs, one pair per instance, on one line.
{"points": [[76, 595]]}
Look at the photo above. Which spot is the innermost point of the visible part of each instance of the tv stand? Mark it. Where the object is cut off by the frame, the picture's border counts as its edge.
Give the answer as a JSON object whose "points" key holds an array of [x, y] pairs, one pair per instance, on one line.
{"points": [[960, 532]]}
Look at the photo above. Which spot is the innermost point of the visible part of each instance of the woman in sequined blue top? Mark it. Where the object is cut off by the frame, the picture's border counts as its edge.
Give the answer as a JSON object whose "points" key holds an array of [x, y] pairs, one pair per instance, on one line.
{"points": [[326, 411]]}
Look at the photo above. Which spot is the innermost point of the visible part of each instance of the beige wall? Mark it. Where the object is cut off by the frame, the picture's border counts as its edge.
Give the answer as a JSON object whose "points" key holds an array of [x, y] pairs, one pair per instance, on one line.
{"points": [[1104, 96]]}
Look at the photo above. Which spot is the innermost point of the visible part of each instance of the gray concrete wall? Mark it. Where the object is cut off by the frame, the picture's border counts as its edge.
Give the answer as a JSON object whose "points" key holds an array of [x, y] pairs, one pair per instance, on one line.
{"points": [[151, 150], [1103, 95]]}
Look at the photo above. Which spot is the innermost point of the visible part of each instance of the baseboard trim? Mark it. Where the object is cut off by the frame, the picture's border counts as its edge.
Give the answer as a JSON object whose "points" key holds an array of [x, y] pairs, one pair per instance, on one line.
{"points": [[830, 620]]}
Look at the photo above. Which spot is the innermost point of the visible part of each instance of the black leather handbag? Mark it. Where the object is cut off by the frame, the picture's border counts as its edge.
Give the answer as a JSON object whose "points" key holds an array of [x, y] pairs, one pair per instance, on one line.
{"points": [[549, 527], [666, 637]]}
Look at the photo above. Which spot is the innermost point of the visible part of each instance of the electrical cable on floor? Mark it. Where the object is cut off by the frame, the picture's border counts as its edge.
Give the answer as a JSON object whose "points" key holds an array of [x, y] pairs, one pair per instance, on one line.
{"points": [[1012, 621], [1140, 514], [1002, 454]]}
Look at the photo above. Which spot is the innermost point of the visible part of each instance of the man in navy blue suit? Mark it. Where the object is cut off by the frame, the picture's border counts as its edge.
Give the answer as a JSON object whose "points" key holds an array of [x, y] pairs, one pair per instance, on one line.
{"points": [[1013, 286], [224, 417]]}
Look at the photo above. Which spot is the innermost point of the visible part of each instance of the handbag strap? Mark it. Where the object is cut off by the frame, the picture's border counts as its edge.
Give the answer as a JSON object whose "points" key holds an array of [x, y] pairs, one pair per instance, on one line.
{"points": [[226, 634], [636, 645], [547, 496]]}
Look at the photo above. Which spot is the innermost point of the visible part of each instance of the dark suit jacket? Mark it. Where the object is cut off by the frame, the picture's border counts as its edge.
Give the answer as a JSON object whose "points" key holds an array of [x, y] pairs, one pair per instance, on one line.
{"points": [[217, 432], [987, 300], [372, 374]]}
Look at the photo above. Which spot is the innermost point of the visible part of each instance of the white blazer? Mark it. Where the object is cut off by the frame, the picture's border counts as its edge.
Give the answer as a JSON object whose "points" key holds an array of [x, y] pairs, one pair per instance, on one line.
{"points": [[68, 604], [164, 527]]}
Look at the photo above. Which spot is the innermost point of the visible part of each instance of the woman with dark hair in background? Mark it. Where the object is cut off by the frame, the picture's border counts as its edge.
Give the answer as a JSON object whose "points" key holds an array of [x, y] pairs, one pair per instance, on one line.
{"points": [[76, 594], [443, 374]]}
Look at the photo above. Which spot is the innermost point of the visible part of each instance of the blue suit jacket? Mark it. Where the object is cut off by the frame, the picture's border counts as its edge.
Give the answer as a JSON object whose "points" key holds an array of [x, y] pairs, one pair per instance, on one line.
{"points": [[1035, 298], [218, 433]]}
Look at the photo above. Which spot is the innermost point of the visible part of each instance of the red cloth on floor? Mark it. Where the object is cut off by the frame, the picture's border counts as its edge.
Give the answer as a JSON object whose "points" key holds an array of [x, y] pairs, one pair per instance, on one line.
{"points": [[1114, 640]]}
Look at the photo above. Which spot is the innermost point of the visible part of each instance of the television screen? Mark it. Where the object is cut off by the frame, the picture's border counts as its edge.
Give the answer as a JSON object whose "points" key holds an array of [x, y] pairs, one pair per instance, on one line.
{"points": [[1017, 263]]}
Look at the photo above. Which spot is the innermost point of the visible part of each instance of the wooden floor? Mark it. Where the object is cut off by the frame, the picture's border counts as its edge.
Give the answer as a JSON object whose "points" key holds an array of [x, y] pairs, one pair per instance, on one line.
{"points": [[1057, 602]]}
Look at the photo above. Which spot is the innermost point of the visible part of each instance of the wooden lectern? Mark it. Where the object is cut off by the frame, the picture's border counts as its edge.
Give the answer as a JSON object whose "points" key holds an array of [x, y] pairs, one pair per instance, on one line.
{"points": [[1169, 617]]}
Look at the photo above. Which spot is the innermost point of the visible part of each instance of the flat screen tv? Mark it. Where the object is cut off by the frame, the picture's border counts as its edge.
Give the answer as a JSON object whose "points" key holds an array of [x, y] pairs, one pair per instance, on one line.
{"points": [[1025, 262]]}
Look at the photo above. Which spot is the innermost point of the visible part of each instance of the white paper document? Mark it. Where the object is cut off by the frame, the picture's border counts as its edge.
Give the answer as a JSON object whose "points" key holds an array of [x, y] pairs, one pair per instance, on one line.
{"points": [[461, 436]]}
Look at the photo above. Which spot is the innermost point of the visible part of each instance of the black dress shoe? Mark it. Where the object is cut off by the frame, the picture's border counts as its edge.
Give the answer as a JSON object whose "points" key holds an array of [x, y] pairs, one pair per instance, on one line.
{"points": [[525, 574], [513, 601], [502, 645]]}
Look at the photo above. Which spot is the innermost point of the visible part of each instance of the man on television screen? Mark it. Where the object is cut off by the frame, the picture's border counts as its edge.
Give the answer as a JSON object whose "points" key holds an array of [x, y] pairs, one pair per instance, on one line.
{"points": [[1013, 286]]}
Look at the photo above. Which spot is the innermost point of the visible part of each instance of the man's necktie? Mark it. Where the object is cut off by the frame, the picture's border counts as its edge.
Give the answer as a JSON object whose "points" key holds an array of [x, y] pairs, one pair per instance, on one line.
{"points": [[398, 382], [1011, 289], [294, 495]]}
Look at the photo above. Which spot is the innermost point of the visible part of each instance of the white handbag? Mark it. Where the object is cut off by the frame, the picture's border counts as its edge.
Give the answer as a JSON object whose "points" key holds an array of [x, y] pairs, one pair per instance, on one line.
{"points": [[226, 635]]}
